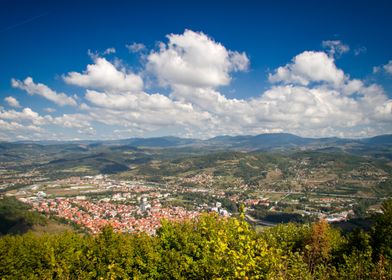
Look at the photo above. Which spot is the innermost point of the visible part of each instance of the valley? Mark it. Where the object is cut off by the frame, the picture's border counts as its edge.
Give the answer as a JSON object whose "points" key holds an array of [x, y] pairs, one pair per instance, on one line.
{"points": [[290, 179]]}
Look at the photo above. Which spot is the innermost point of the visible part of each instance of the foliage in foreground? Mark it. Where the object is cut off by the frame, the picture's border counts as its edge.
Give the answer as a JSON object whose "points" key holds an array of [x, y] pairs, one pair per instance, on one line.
{"points": [[208, 248]]}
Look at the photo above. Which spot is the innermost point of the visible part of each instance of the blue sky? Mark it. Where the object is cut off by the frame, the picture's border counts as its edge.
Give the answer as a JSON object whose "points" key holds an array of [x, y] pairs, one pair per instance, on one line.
{"points": [[194, 68]]}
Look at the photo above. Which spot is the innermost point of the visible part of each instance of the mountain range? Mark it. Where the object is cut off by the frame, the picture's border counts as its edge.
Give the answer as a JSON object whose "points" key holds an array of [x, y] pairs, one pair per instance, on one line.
{"points": [[244, 142]]}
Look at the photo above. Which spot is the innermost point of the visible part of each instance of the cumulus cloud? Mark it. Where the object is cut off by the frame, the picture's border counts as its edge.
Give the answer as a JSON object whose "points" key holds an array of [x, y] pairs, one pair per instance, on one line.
{"points": [[28, 124], [81, 122], [109, 51], [11, 131], [31, 88], [103, 75], [12, 101], [335, 47], [313, 98], [309, 111], [352, 86], [388, 67], [135, 47], [307, 67], [27, 115], [309, 96], [142, 111], [194, 59], [333, 110], [126, 100]]}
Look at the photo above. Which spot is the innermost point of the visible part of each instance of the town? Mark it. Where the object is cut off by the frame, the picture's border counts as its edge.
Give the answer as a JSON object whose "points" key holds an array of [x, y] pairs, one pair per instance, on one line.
{"points": [[92, 202]]}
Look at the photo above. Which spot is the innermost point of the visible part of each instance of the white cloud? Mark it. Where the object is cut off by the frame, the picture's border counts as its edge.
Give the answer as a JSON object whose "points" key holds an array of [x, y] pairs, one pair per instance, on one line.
{"points": [[193, 59], [12, 101], [80, 121], [239, 61], [309, 109], [11, 131], [126, 100], [388, 67], [384, 111], [316, 99], [135, 47], [360, 50], [28, 124], [103, 75], [50, 110], [150, 111], [295, 109], [352, 86], [109, 51], [309, 96], [335, 47], [307, 67], [27, 115], [31, 88]]}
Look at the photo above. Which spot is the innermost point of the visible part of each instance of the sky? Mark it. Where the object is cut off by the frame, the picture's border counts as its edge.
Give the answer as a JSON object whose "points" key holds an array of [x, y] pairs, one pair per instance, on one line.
{"points": [[99, 70]]}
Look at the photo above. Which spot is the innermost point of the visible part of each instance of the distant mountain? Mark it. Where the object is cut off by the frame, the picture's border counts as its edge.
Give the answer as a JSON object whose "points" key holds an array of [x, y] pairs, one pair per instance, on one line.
{"points": [[243, 142], [262, 141], [379, 140], [59, 159], [157, 142]]}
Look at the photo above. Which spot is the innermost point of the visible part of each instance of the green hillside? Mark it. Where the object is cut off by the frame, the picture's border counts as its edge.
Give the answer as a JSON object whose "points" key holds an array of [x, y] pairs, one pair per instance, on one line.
{"points": [[207, 248], [328, 172], [16, 218]]}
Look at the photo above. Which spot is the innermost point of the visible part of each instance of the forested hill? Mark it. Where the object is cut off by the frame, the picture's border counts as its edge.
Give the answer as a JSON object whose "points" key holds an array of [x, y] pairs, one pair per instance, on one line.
{"points": [[208, 248], [265, 141], [16, 217]]}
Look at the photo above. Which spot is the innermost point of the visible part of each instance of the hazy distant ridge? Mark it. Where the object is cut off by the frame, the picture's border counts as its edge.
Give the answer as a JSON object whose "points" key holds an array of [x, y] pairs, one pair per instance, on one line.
{"points": [[247, 142]]}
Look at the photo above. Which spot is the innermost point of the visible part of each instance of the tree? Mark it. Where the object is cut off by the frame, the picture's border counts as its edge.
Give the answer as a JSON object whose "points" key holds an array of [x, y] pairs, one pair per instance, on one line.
{"points": [[382, 232], [320, 245]]}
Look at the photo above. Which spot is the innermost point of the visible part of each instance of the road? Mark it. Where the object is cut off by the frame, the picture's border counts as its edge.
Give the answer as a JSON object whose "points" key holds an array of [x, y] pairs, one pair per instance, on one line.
{"points": [[259, 222]]}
